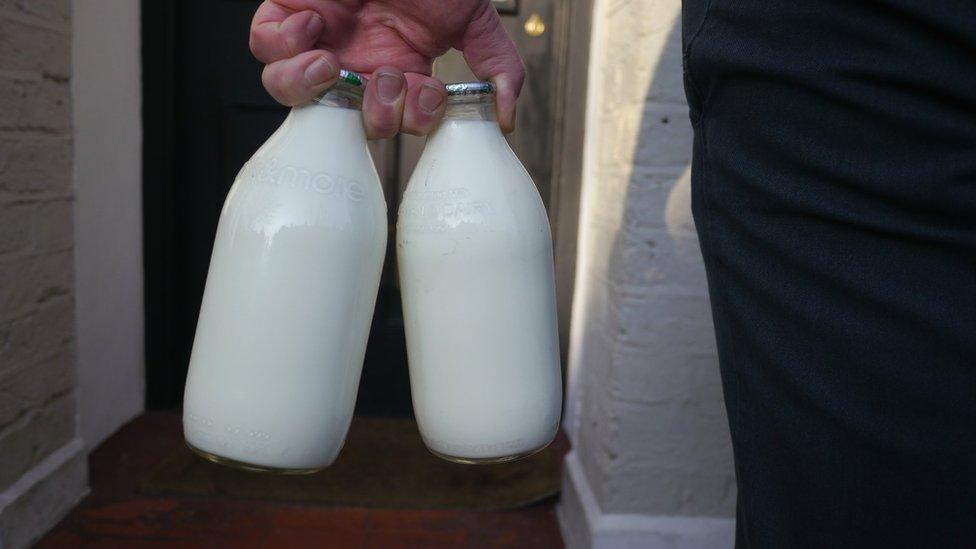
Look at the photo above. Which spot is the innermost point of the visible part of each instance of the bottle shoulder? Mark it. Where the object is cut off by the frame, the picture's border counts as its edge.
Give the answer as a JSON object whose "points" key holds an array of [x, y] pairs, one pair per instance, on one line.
{"points": [[270, 192], [496, 169], [493, 201]]}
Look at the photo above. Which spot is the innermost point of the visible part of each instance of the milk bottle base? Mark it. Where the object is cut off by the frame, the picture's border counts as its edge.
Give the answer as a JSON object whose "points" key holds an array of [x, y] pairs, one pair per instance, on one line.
{"points": [[488, 460], [228, 462]]}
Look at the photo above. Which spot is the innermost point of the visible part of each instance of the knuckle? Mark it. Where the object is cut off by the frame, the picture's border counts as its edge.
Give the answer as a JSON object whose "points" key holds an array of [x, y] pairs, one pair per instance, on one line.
{"points": [[419, 129], [276, 82], [412, 126], [252, 44], [383, 128], [291, 45], [519, 70], [257, 47], [267, 79], [258, 43], [292, 84]]}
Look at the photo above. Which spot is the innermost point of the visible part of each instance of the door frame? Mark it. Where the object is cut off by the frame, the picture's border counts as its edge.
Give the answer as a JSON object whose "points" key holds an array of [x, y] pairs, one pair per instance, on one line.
{"points": [[159, 230], [572, 45]]}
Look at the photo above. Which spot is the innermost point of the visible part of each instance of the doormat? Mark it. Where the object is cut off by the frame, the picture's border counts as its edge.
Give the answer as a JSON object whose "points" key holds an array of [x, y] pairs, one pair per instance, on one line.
{"points": [[383, 464]]}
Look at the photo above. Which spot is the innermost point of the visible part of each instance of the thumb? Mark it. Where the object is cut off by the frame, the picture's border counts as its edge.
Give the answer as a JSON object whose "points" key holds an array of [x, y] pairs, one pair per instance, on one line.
{"points": [[492, 56]]}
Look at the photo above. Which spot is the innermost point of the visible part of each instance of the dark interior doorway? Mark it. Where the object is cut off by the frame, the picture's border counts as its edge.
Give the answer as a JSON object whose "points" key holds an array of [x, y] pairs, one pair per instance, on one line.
{"points": [[205, 113]]}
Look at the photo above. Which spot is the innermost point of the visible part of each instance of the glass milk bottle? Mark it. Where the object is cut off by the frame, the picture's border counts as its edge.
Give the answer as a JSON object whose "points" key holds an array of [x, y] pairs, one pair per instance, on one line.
{"points": [[476, 274], [290, 293]]}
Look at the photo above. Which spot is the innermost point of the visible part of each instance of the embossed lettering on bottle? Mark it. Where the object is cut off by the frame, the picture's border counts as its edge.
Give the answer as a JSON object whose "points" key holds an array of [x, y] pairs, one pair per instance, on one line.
{"points": [[290, 294]]}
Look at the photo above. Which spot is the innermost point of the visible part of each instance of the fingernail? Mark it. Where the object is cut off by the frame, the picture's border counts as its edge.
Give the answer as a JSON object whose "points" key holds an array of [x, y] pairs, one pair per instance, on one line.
{"points": [[430, 98], [319, 72], [313, 29], [388, 87]]}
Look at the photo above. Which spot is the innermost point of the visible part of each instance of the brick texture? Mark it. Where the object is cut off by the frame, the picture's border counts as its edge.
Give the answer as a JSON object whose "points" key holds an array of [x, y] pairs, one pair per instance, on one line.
{"points": [[37, 356], [40, 431], [45, 276], [56, 12], [31, 166], [31, 101], [28, 45], [31, 385], [648, 418]]}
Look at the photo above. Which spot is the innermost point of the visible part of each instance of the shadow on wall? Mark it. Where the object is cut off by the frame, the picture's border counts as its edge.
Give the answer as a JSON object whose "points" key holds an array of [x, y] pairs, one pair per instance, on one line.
{"points": [[664, 448]]}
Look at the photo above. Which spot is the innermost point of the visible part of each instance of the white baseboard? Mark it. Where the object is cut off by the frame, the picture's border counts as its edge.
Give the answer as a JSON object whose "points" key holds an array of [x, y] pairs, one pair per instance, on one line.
{"points": [[43, 495], [585, 526]]}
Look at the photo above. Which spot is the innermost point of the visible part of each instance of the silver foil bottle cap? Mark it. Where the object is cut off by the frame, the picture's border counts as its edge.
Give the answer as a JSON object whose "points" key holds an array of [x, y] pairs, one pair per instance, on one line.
{"points": [[351, 78], [455, 89], [346, 92]]}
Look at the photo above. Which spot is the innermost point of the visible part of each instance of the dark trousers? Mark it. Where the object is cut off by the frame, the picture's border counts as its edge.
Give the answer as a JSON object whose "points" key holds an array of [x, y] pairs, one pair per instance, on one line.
{"points": [[834, 191]]}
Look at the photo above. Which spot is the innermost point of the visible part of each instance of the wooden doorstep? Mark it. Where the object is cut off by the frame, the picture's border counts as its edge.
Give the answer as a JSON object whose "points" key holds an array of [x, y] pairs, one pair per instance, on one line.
{"points": [[116, 515]]}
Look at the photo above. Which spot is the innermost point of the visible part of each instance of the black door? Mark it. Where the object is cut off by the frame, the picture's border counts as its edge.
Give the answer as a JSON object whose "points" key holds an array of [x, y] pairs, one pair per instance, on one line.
{"points": [[205, 113]]}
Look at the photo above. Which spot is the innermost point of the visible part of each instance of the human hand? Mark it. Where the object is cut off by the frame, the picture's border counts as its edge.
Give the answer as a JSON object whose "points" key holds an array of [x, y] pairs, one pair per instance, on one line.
{"points": [[304, 43]]}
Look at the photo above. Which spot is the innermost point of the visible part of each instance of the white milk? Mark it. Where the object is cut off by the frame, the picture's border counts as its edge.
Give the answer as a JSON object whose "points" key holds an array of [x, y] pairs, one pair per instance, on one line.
{"points": [[475, 261], [290, 293]]}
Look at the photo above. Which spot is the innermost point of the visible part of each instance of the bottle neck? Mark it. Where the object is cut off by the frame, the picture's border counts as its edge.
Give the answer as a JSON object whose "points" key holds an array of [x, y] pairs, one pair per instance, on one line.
{"points": [[465, 123], [341, 98], [470, 108], [322, 120], [346, 93]]}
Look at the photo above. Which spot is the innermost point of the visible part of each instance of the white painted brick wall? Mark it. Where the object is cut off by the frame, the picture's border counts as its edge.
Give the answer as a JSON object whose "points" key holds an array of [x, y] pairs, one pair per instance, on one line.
{"points": [[645, 408], [37, 357]]}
